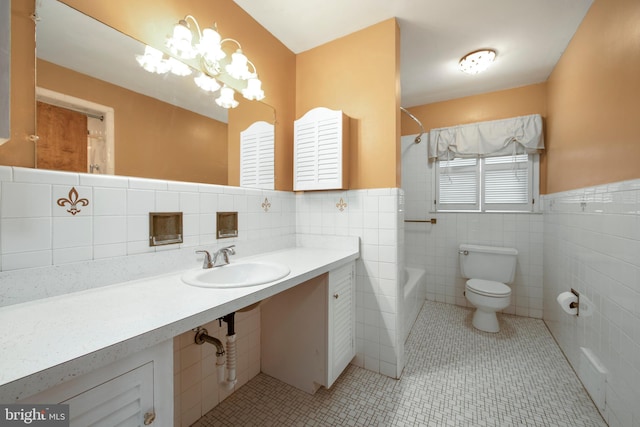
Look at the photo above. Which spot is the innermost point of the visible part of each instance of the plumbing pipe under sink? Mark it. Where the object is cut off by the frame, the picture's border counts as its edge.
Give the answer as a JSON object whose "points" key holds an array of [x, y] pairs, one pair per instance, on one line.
{"points": [[202, 336]]}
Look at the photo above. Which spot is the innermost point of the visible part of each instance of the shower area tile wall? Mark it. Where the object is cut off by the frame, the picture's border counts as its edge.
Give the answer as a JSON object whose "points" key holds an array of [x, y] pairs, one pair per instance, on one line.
{"points": [[434, 247]]}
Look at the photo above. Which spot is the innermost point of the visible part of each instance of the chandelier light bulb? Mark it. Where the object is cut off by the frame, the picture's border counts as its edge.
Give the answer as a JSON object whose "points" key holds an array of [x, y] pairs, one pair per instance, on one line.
{"points": [[206, 83], [153, 61], [209, 45], [226, 98], [253, 91], [179, 68], [238, 68], [180, 42]]}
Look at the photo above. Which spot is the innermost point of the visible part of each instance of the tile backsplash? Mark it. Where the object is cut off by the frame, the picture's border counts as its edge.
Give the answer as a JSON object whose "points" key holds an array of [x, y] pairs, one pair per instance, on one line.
{"points": [[82, 230]]}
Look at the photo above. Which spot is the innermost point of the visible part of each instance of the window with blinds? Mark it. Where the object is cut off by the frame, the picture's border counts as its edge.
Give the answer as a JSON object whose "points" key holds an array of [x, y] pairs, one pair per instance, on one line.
{"points": [[505, 183]]}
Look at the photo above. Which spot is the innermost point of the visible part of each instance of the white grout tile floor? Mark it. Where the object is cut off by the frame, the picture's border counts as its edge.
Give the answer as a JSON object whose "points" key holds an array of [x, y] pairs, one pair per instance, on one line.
{"points": [[455, 375]]}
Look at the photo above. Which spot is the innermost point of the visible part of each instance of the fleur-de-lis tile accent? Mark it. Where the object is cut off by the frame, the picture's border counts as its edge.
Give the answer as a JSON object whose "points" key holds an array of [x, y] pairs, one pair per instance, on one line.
{"points": [[73, 201], [266, 205], [341, 205]]}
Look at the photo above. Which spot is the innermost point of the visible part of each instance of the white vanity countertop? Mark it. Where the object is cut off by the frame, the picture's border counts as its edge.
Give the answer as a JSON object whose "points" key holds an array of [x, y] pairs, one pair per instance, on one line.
{"points": [[44, 342]]}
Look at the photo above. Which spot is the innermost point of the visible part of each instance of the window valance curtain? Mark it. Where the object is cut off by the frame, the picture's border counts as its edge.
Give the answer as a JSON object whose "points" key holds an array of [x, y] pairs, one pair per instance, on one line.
{"points": [[517, 135]]}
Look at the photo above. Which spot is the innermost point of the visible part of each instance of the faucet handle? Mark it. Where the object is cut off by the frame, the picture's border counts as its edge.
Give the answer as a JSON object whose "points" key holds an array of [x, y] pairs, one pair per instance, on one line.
{"points": [[229, 249], [207, 263], [226, 251]]}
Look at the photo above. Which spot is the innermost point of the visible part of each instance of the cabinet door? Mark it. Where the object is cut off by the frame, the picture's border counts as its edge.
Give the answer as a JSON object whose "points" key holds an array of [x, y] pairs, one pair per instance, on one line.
{"points": [[342, 323], [320, 150], [133, 391], [122, 401], [257, 165]]}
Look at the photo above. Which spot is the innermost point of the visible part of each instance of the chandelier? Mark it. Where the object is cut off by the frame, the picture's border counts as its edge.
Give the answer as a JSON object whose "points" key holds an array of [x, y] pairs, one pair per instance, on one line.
{"points": [[213, 63]]}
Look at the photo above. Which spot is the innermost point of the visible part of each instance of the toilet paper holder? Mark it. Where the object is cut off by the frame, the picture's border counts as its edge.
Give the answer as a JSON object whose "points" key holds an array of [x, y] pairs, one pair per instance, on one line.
{"points": [[575, 304]]}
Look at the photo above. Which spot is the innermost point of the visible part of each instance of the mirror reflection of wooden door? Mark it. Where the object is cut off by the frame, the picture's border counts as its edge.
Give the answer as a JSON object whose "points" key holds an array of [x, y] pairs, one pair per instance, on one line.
{"points": [[62, 143]]}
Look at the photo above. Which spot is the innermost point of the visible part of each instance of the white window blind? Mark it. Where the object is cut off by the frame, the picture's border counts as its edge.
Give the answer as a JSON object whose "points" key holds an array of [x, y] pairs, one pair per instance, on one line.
{"points": [[505, 183], [458, 179]]}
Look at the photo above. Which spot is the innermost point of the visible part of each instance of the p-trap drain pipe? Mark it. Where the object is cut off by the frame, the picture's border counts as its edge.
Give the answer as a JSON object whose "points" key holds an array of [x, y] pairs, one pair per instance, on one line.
{"points": [[202, 336]]}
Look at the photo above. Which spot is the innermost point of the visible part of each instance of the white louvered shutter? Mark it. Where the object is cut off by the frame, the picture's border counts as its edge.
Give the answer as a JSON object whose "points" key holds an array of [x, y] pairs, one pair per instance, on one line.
{"points": [[319, 150], [257, 156], [341, 320]]}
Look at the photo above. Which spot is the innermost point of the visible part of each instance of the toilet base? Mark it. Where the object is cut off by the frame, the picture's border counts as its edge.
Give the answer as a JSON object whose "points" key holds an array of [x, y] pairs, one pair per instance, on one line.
{"points": [[486, 321]]}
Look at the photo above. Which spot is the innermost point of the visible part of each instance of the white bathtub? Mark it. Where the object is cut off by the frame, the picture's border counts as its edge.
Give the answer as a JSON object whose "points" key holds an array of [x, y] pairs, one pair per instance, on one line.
{"points": [[414, 296]]}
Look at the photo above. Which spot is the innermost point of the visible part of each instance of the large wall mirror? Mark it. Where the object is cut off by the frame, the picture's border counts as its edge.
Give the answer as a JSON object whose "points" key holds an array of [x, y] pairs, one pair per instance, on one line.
{"points": [[134, 122]]}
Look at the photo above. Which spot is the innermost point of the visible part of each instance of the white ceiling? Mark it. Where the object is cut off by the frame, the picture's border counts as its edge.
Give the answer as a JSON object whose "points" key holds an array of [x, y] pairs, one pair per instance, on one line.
{"points": [[529, 36]]}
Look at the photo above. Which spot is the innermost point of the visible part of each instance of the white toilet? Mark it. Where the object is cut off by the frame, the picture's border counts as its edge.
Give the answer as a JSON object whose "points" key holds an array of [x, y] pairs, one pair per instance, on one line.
{"points": [[489, 270]]}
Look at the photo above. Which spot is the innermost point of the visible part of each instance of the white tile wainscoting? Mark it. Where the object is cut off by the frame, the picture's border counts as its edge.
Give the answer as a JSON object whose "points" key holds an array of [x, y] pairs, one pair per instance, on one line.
{"points": [[376, 216], [592, 244]]}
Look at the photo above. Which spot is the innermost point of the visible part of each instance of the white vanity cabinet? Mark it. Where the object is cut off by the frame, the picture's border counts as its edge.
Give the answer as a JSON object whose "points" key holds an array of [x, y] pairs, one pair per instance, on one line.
{"points": [[308, 332], [321, 150], [134, 391]]}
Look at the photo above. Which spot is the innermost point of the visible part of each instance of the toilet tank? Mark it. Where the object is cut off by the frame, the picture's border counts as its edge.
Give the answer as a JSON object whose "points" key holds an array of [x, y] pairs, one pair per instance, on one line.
{"points": [[488, 263]]}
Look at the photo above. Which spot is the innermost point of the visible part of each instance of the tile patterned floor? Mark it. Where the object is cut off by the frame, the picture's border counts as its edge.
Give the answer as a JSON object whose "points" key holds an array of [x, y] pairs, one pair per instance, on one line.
{"points": [[454, 376]]}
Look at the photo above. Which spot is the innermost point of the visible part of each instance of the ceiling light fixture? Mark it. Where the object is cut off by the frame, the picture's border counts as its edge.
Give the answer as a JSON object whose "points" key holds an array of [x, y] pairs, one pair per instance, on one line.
{"points": [[477, 61], [238, 73]]}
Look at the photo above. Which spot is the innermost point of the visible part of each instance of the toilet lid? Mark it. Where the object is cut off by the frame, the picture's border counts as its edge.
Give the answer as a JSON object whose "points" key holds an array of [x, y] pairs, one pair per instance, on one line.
{"points": [[488, 288]]}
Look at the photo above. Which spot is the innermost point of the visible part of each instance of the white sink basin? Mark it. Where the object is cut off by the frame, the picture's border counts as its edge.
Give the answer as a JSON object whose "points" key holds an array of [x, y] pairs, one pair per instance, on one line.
{"points": [[236, 275]]}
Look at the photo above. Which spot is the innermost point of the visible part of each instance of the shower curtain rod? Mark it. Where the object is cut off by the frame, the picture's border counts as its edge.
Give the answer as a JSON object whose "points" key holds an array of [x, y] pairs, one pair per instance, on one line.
{"points": [[415, 119]]}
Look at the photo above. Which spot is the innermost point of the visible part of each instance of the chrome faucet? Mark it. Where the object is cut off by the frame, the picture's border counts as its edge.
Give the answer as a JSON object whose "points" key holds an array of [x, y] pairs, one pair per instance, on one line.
{"points": [[225, 252], [207, 259], [211, 262]]}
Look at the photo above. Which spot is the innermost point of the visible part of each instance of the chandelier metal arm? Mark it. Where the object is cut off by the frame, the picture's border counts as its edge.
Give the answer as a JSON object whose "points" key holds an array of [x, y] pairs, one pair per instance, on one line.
{"points": [[231, 40], [195, 22]]}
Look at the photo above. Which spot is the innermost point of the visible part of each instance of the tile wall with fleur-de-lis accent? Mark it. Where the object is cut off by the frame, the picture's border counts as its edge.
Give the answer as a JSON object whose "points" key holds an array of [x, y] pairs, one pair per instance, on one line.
{"points": [[73, 202], [266, 205], [50, 218], [341, 205]]}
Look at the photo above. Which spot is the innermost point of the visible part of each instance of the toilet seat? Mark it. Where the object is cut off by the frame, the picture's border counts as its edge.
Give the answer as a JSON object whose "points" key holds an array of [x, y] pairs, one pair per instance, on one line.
{"points": [[488, 288]]}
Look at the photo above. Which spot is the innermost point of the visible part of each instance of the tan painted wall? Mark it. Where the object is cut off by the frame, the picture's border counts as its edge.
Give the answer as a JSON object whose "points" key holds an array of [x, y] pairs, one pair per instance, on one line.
{"points": [[593, 126], [359, 74], [193, 150], [497, 105], [19, 151]]}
